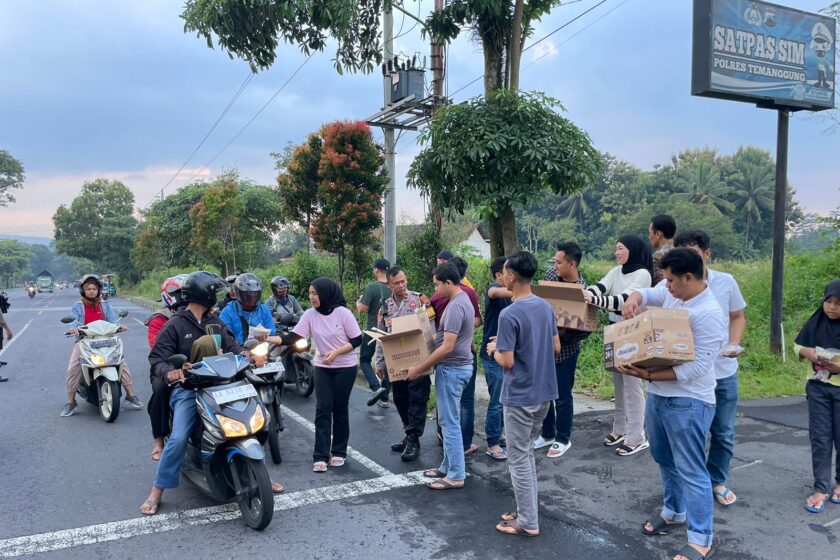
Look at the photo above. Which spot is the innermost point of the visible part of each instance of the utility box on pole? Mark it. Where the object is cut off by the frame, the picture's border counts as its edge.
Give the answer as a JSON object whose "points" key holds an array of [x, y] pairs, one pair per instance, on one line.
{"points": [[407, 82]]}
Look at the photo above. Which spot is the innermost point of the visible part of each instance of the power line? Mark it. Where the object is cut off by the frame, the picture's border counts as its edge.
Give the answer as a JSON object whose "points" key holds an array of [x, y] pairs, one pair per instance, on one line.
{"points": [[212, 128], [247, 124]]}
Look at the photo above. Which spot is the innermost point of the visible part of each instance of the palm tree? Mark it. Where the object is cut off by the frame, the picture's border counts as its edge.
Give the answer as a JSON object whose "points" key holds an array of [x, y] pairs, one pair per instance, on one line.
{"points": [[701, 184], [574, 206], [753, 193]]}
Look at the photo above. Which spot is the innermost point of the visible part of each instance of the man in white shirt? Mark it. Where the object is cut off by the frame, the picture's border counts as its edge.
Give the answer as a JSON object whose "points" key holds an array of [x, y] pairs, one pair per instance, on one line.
{"points": [[681, 403], [722, 433]]}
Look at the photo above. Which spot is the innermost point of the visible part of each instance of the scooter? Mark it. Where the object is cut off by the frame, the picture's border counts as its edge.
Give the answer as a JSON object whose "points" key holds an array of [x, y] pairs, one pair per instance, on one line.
{"points": [[101, 353], [225, 456], [297, 360], [31, 291], [269, 380]]}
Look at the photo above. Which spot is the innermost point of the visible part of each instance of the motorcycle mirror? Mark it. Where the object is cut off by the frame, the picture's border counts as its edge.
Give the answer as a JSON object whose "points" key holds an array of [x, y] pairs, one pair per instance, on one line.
{"points": [[67, 320], [177, 361], [123, 314]]}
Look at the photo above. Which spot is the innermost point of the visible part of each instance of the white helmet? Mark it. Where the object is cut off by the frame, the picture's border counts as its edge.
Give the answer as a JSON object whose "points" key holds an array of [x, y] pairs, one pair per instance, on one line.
{"points": [[821, 40]]}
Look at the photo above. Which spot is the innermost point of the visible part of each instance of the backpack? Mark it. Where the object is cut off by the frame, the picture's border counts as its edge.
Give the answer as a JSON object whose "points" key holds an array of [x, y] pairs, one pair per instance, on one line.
{"points": [[4, 302]]}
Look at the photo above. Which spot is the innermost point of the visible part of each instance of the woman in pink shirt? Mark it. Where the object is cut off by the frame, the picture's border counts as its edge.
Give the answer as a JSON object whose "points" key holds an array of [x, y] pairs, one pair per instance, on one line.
{"points": [[336, 334]]}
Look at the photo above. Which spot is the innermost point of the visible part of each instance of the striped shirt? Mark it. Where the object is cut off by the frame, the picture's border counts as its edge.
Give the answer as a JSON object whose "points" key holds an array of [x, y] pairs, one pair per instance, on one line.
{"points": [[614, 289]]}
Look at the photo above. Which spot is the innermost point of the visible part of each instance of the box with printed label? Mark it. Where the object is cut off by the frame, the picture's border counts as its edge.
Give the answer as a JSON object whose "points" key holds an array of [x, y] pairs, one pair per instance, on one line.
{"points": [[570, 308], [410, 341], [657, 338]]}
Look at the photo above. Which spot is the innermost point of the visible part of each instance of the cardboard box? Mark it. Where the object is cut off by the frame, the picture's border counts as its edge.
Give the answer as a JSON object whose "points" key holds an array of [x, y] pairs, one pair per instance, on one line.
{"points": [[570, 309], [411, 340], [657, 338]]}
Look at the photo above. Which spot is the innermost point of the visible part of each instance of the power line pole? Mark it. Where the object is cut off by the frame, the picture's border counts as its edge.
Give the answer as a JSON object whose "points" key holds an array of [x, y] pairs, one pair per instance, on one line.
{"points": [[779, 207], [390, 210], [437, 103]]}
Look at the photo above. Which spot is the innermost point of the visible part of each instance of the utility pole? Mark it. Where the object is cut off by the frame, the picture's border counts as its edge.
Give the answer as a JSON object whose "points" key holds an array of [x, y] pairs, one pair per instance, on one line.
{"points": [[437, 103], [390, 211], [779, 207]]}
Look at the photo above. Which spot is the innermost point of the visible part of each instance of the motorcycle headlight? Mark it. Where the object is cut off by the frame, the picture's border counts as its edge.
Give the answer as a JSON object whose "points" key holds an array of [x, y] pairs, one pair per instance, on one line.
{"points": [[260, 350], [257, 420], [302, 344], [231, 427], [98, 360]]}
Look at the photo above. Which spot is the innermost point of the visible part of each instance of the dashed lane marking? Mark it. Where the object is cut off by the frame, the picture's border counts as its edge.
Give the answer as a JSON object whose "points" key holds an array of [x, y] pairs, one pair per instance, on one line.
{"points": [[756, 462]]}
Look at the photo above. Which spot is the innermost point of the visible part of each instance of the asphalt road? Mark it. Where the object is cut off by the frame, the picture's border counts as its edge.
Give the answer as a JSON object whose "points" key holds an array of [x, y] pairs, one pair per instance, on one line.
{"points": [[72, 487]]}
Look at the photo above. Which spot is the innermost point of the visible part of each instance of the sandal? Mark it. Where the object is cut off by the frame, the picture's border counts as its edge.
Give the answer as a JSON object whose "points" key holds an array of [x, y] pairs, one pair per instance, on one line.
{"points": [[156, 453], [434, 473], [500, 455], [319, 466], [509, 516], [513, 528], [818, 507], [150, 507], [835, 496], [721, 497], [557, 449], [625, 450], [442, 484], [337, 461], [613, 439], [692, 553], [660, 527]]}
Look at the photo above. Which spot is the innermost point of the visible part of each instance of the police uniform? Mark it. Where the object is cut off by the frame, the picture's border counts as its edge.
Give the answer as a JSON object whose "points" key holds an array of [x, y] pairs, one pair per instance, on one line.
{"points": [[410, 397]]}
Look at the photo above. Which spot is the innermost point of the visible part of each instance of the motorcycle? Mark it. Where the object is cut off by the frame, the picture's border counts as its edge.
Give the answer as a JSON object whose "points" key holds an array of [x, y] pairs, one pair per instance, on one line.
{"points": [[296, 359], [101, 353], [269, 380], [225, 456], [31, 291]]}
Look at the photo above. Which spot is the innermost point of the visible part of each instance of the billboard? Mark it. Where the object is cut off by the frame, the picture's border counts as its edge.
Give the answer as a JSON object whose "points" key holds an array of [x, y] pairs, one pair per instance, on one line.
{"points": [[763, 53]]}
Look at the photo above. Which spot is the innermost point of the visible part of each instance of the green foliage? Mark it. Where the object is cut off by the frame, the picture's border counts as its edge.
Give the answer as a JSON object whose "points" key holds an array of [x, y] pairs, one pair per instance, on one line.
{"points": [[14, 261], [417, 257], [99, 225], [62, 267], [11, 177], [252, 30], [297, 182]]}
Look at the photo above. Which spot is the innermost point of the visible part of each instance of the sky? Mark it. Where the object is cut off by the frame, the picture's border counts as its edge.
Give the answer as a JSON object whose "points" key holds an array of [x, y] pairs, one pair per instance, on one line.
{"points": [[96, 88]]}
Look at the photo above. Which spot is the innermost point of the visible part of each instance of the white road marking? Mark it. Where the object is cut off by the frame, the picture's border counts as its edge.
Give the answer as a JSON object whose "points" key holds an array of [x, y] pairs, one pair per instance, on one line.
{"points": [[139, 321], [756, 462], [355, 455], [15, 337], [117, 530], [832, 522]]}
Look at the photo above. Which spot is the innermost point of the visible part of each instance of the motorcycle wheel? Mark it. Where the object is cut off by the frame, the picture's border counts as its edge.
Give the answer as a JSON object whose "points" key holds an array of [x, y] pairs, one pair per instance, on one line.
{"points": [[274, 436], [305, 380], [257, 504], [109, 399]]}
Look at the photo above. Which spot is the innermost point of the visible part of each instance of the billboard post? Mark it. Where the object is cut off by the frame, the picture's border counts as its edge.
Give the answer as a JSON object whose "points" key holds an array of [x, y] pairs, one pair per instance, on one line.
{"points": [[778, 58]]}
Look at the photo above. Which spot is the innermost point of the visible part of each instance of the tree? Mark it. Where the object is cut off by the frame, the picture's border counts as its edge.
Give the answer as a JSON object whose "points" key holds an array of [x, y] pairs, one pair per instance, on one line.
{"points": [[754, 193], [498, 153], [11, 177], [574, 206], [351, 183], [99, 225], [14, 261], [700, 184], [214, 217], [297, 182]]}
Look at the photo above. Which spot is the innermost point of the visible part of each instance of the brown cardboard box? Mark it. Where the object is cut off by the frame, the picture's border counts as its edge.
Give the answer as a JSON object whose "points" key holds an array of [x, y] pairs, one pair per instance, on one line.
{"points": [[570, 309], [411, 340], [656, 338]]}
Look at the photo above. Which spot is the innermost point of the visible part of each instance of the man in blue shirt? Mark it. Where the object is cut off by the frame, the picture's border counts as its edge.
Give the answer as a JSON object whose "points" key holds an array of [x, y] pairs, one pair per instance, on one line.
{"points": [[248, 311]]}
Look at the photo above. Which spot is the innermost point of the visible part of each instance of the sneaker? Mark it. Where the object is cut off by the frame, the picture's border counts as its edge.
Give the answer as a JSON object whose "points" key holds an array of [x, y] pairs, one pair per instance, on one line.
{"points": [[376, 396], [69, 409], [558, 449], [541, 442], [384, 404], [134, 402]]}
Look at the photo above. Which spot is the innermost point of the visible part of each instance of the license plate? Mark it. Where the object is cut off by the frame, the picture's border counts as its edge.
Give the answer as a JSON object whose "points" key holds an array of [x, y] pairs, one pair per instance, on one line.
{"points": [[238, 393], [271, 367]]}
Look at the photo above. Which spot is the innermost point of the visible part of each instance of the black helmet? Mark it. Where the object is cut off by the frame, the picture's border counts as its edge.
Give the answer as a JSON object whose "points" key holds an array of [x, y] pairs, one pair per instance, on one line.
{"points": [[88, 278], [248, 289], [279, 283], [203, 287]]}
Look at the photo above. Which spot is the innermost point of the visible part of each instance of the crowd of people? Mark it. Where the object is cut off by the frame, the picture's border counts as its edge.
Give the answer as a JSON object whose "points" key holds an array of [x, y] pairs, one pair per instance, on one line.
{"points": [[529, 364]]}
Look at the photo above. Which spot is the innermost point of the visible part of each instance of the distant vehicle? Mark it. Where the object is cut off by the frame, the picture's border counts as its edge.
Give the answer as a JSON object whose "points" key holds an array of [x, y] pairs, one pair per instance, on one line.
{"points": [[45, 282]]}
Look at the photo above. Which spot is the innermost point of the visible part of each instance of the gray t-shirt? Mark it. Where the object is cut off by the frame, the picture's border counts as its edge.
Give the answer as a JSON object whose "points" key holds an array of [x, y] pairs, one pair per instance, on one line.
{"points": [[458, 318], [527, 328]]}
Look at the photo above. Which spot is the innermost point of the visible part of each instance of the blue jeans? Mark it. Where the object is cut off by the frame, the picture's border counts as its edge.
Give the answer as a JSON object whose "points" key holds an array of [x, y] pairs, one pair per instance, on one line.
{"points": [[723, 430], [467, 410], [558, 422], [677, 428], [184, 414], [450, 382], [494, 422]]}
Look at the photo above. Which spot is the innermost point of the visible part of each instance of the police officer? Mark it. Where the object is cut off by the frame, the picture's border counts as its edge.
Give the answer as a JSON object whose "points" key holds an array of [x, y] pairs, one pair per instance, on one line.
{"points": [[410, 397]]}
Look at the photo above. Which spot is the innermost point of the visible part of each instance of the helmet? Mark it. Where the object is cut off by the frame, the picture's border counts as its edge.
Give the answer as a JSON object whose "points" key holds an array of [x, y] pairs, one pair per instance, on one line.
{"points": [[231, 279], [821, 39], [170, 292], [248, 289], [88, 278], [279, 283], [203, 287]]}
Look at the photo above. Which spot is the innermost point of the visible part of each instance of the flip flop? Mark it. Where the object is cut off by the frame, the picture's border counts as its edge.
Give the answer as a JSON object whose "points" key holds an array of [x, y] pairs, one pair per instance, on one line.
{"points": [[660, 527], [434, 473], [513, 528], [500, 455], [509, 516], [277, 488], [720, 497], [319, 466], [150, 504], [442, 484], [611, 439], [816, 509], [693, 554], [337, 461], [835, 499]]}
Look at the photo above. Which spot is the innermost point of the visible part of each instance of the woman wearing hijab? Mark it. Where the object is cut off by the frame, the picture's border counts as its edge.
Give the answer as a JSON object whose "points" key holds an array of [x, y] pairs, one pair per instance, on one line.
{"points": [[634, 271], [818, 342], [336, 333]]}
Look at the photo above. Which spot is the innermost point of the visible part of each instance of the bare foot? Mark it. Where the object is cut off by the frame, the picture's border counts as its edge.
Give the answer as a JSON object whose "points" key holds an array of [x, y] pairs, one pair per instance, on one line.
{"points": [[277, 488], [835, 494], [817, 499], [157, 449], [701, 549]]}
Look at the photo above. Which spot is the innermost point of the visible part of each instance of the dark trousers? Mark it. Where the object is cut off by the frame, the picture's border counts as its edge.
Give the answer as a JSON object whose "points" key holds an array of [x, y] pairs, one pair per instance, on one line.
{"points": [[824, 431], [332, 417], [366, 353], [158, 407], [411, 398], [558, 422]]}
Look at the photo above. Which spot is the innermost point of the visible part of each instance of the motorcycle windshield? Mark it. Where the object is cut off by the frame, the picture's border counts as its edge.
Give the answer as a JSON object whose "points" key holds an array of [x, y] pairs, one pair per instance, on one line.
{"points": [[224, 366]]}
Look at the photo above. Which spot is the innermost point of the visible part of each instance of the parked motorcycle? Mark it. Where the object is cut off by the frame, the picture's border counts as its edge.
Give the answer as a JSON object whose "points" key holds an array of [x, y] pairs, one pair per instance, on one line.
{"points": [[225, 456], [268, 380], [101, 353], [296, 359]]}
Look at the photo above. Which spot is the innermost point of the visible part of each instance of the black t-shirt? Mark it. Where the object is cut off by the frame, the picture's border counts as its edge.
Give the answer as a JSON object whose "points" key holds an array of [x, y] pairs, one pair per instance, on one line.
{"points": [[492, 308]]}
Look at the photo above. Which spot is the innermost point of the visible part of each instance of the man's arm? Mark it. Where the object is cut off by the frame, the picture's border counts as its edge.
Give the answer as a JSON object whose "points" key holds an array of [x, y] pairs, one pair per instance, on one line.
{"points": [[496, 292], [737, 324]]}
